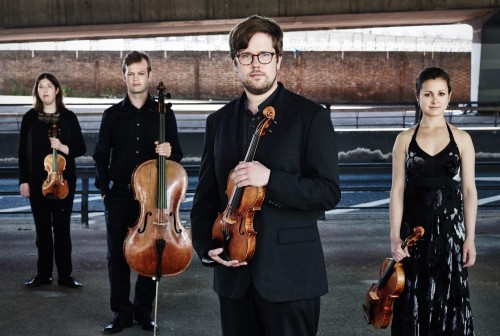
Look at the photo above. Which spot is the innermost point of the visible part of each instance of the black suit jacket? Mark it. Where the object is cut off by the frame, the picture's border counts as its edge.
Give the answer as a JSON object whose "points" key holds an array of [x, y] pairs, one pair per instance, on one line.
{"points": [[301, 153]]}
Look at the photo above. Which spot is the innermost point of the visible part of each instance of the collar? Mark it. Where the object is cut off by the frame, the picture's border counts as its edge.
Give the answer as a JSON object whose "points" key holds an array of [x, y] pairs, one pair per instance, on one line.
{"points": [[149, 104], [268, 102]]}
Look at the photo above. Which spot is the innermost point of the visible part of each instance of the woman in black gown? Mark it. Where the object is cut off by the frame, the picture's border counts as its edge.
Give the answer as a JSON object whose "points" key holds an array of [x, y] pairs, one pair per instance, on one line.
{"points": [[433, 186]]}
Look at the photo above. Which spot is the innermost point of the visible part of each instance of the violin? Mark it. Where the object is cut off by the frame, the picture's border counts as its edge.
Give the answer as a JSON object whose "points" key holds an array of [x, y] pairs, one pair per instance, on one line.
{"points": [[380, 297], [54, 186], [233, 228], [158, 244]]}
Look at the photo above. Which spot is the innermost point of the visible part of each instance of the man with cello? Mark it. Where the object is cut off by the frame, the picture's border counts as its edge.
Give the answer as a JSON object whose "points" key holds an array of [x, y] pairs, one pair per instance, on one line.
{"points": [[128, 137], [275, 288]]}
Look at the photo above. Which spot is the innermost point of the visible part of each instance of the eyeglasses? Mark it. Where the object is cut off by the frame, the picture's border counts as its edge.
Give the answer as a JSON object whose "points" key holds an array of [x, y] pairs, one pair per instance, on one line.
{"points": [[263, 58]]}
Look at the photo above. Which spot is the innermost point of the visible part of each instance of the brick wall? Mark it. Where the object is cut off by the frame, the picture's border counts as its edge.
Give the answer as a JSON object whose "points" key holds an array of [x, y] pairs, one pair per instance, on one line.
{"points": [[321, 76]]}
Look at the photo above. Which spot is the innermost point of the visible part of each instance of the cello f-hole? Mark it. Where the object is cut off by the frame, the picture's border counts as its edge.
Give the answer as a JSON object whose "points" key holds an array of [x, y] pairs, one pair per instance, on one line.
{"points": [[177, 230], [141, 230]]}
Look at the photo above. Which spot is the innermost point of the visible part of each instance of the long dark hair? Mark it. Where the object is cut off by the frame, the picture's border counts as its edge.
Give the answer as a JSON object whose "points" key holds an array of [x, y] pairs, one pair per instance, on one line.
{"points": [[38, 106], [431, 73], [425, 75]]}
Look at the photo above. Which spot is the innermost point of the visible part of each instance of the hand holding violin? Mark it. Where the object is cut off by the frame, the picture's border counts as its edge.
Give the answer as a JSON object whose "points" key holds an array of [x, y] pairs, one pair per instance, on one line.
{"points": [[56, 144], [398, 253], [251, 173], [214, 254]]}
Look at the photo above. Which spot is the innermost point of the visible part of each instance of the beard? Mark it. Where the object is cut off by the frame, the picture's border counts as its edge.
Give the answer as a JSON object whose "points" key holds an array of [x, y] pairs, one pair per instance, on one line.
{"points": [[260, 88]]}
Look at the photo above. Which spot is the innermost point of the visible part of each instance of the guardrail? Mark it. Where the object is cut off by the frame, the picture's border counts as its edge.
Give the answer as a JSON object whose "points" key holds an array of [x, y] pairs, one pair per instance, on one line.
{"points": [[85, 173], [344, 115]]}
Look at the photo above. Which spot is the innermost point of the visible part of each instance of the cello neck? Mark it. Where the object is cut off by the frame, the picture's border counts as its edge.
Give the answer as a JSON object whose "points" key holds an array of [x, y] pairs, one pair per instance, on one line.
{"points": [[162, 161]]}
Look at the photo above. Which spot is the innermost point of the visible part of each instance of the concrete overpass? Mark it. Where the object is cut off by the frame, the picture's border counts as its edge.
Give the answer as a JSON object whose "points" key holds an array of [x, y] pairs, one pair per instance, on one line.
{"points": [[49, 20]]}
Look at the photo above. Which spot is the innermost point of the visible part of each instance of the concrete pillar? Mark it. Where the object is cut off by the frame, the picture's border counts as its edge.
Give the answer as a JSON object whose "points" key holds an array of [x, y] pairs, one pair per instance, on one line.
{"points": [[478, 26], [489, 69]]}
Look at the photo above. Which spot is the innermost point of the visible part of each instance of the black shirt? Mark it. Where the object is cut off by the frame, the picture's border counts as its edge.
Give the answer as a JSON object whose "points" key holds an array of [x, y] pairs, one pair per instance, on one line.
{"points": [[249, 121], [127, 138]]}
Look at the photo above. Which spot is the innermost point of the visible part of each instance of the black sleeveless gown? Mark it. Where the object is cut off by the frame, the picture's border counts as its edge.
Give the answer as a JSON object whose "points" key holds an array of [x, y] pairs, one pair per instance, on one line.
{"points": [[435, 300]]}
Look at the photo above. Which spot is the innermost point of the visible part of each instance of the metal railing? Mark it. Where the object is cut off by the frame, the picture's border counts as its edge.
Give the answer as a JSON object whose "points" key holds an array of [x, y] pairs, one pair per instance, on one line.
{"points": [[85, 173], [190, 114]]}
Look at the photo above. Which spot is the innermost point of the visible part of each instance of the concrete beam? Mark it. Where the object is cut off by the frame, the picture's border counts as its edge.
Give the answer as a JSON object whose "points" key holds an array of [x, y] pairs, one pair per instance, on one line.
{"points": [[48, 20]]}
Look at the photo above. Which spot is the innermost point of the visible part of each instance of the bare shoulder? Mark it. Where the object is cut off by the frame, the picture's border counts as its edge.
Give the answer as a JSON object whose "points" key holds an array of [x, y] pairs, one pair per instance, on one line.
{"points": [[403, 139], [406, 135], [461, 136]]}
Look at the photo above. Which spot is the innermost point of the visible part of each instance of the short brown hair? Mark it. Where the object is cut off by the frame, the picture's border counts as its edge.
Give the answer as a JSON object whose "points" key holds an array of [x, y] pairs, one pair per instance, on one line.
{"points": [[135, 57], [243, 32]]}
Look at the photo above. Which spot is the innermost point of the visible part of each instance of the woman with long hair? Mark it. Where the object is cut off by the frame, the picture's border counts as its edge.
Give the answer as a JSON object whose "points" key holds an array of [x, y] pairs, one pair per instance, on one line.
{"points": [[47, 128], [433, 186]]}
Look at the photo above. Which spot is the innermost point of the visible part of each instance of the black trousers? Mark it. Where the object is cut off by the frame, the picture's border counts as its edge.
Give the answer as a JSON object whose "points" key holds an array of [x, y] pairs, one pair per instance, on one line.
{"points": [[252, 315], [52, 222], [121, 212]]}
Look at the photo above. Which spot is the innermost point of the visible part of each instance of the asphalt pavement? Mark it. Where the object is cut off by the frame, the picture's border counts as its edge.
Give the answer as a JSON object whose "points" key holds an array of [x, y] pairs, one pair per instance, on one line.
{"points": [[355, 245]]}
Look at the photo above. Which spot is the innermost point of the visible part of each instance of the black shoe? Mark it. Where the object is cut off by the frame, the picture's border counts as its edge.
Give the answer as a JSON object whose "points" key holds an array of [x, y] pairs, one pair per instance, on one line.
{"points": [[38, 280], [69, 282], [117, 325], [147, 324]]}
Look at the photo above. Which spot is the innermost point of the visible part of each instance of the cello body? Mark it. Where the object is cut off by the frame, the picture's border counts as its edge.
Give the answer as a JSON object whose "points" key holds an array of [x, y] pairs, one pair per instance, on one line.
{"points": [[158, 244], [158, 223]]}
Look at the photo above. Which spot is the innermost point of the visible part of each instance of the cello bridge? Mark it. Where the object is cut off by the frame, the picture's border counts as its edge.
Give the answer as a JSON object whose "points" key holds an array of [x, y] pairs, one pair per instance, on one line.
{"points": [[162, 223]]}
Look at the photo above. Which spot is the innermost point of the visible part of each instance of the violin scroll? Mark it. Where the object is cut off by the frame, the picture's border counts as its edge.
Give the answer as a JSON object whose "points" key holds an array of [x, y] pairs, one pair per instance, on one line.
{"points": [[418, 232]]}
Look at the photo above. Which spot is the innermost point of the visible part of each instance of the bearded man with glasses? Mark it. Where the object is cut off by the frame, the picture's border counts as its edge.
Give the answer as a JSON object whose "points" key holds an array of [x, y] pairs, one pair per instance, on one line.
{"points": [[278, 290]]}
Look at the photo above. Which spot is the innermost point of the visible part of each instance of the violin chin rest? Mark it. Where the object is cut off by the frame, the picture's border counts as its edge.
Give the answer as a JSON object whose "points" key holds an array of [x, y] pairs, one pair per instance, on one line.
{"points": [[50, 196]]}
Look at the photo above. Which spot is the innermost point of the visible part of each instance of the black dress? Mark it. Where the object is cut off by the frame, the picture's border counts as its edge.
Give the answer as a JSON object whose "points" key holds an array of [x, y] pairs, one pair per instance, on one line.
{"points": [[435, 300]]}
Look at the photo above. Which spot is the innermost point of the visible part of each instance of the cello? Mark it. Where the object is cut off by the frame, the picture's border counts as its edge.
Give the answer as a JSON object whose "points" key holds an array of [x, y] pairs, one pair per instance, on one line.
{"points": [[380, 297], [158, 244], [233, 228], [54, 186]]}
